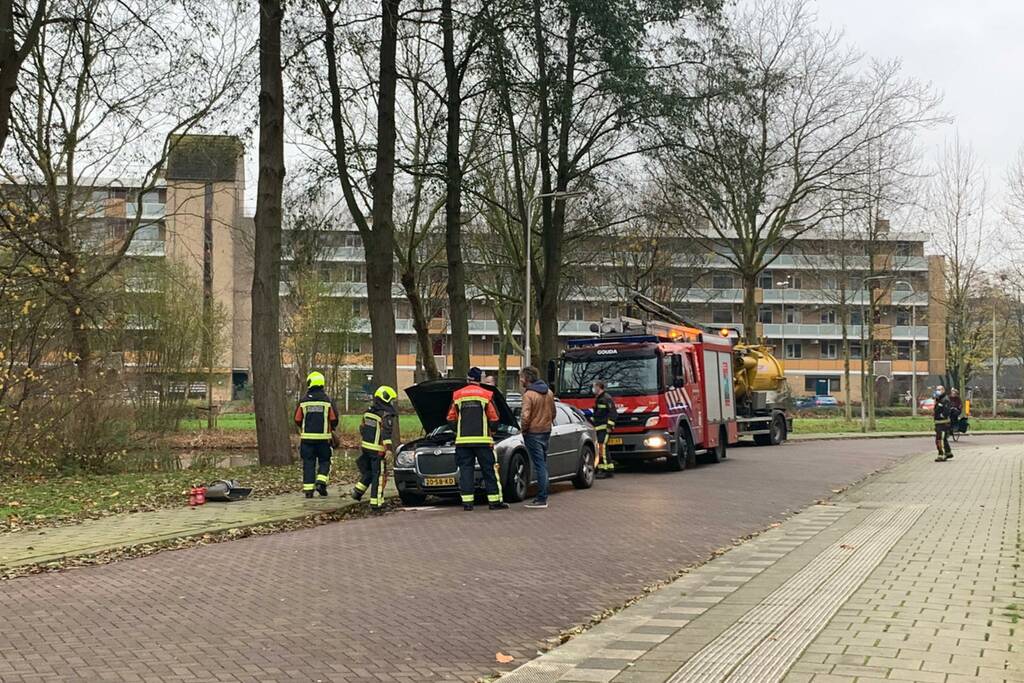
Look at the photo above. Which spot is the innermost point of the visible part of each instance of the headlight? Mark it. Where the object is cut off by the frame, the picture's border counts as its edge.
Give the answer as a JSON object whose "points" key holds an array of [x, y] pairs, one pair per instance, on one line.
{"points": [[655, 442], [406, 459]]}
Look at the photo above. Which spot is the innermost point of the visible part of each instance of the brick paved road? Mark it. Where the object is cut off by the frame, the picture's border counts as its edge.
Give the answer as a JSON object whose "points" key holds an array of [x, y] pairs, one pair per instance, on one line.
{"points": [[413, 596]]}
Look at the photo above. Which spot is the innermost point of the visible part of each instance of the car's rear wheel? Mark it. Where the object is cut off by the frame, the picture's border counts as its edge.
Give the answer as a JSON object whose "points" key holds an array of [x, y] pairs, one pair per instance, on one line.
{"points": [[412, 499], [584, 478], [517, 481]]}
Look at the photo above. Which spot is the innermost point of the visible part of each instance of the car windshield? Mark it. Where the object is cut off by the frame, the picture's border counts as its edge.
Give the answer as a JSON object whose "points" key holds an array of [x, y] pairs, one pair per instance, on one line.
{"points": [[623, 376]]}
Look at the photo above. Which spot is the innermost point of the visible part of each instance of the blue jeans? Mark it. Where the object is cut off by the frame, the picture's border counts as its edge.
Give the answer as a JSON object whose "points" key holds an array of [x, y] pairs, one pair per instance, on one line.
{"points": [[537, 447]]}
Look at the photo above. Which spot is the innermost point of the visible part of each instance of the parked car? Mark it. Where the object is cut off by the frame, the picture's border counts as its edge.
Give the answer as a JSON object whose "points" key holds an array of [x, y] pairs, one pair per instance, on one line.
{"points": [[927, 404], [809, 402], [426, 466]]}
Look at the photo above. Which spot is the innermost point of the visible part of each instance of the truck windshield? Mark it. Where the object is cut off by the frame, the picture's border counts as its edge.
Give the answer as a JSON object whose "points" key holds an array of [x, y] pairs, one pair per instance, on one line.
{"points": [[622, 376]]}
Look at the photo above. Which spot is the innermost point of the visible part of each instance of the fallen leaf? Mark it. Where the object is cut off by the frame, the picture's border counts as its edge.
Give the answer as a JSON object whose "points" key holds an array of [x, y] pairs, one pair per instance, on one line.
{"points": [[503, 658], [847, 546], [837, 490]]}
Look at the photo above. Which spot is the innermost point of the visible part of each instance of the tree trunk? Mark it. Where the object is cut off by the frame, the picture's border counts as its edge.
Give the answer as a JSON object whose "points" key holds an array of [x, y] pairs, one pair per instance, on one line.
{"points": [[268, 378], [80, 343], [380, 249], [845, 315], [458, 308], [421, 325], [750, 308], [12, 57]]}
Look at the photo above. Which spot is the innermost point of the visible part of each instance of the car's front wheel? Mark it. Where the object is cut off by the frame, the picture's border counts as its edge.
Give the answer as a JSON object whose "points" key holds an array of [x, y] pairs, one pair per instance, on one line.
{"points": [[517, 481], [584, 478]]}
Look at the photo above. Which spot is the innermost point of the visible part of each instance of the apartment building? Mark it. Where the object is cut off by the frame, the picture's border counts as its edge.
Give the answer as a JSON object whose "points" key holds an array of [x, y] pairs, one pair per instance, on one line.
{"points": [[801, 297]]}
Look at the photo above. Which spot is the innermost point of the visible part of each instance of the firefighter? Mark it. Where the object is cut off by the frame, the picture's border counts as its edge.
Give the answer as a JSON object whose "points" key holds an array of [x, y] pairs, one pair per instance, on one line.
{"points": [[603, 417], [473, 416], [376, 432], [941, 415], [317, 418]]}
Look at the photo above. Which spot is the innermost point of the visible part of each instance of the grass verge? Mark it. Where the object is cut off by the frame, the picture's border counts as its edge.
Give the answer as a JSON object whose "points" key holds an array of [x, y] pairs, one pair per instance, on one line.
{"points": [[37, 501], [835, 425]]}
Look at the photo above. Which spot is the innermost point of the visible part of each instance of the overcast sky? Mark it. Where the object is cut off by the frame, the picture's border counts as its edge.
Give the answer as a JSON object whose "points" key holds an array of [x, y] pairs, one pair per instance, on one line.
{"points": [[971, 50]]}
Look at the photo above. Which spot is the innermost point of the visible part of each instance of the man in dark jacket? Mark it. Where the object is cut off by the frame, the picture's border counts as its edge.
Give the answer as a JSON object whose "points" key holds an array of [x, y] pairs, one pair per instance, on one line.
{"points": [[376, 434], [603, 417], [941, 416], [317, 418], [536, 419]]}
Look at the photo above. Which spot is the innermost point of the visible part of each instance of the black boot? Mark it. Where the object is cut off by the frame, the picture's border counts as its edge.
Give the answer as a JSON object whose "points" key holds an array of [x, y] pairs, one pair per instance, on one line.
{"points": [[498, 506], [466, 507], [309, 494], [321, 488], [357, 494]]}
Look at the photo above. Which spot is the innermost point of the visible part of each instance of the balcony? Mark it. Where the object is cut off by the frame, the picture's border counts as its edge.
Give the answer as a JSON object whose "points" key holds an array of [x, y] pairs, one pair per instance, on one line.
{"points": [[853, 332]]}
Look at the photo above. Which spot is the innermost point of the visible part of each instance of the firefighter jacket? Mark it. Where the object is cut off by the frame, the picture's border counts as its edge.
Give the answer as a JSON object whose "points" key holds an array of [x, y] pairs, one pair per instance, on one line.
{"points": [[377, 429], [316, 416], [473, 414], [605, 412], [941, 411]]}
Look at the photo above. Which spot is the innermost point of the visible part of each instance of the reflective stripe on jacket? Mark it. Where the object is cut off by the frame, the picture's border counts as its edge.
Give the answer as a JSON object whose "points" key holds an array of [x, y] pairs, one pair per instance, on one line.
{"points": [[315, 416], [472, 411], [605, 412], [377, 427]]}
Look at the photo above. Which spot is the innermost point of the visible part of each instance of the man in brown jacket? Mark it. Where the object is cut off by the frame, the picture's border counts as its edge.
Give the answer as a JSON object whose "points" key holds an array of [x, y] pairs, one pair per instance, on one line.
{"points": [[536, 419]]}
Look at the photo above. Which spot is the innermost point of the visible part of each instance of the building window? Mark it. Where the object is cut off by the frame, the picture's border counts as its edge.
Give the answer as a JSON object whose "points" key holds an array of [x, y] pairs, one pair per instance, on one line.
{"points": [[830, 282], [795, 282], [856, 318], [828, 317], [353, 344], [576, 312], [793, 316], [811, 384], [855, 349], [904, 249], [496, 347], [682, 282], [722, 282], [903, 350], [721, 316], [764, 315], [611, 311], [902, 318], [794, 350], [829, 350], [766, 281]]}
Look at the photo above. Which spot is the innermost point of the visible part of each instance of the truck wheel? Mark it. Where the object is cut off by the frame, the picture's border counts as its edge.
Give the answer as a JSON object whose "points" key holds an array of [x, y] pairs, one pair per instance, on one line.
{"points": [[685, 453], [717, 454], [778, 433]]}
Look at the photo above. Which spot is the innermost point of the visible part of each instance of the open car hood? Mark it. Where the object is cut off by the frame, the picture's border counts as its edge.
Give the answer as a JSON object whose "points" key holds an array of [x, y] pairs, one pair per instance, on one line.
{"points": [[431, 400]]}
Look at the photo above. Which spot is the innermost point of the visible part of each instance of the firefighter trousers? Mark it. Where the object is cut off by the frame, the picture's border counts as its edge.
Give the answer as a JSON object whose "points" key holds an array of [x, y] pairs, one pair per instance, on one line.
{"points": [[373, 475], [465, 457], [942, 430], [316, 463]]}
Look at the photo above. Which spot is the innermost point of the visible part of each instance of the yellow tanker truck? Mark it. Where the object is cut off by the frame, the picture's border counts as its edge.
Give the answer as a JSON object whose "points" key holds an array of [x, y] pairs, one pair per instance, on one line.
{"points": [[759, 384]]}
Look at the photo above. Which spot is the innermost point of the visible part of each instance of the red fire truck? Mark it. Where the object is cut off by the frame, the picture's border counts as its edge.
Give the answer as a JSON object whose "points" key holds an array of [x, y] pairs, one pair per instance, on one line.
{"points": [[672, 383]]}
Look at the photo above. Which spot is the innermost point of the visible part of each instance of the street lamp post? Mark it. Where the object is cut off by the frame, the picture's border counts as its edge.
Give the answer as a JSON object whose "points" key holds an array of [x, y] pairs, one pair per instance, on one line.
{"points": [[528, 331]]}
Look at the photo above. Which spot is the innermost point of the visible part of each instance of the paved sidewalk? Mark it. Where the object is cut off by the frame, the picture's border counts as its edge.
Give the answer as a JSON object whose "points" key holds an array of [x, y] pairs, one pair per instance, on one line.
{"points": [[913, 576], [38, 546]]}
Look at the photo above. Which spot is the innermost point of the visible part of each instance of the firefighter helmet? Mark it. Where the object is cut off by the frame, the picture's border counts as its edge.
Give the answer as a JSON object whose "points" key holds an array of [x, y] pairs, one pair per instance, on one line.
{"points": [[314, 379], [385, 393]]}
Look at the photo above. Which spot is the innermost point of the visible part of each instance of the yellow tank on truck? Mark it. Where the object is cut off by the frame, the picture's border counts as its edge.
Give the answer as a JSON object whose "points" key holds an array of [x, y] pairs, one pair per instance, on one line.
{"points": [[756, 369]]}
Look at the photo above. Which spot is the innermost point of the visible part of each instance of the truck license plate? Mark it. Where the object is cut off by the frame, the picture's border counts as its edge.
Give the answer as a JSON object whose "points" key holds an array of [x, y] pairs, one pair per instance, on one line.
{"points": [[439, 481], [615, 441]]}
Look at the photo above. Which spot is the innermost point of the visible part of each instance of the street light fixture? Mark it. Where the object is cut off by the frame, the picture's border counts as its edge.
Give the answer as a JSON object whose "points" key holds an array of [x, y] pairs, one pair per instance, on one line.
{"points": [[528, 331]]}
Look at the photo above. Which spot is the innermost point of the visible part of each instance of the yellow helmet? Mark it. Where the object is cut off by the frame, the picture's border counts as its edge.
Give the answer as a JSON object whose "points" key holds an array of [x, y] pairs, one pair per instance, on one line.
{"points": [[314, 379], [385, 393]]}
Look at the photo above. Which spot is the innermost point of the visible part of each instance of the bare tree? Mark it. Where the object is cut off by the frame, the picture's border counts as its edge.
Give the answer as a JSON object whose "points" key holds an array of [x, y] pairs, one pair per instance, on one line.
{"points": [[793, 110], [268, 376], [958, 198]]}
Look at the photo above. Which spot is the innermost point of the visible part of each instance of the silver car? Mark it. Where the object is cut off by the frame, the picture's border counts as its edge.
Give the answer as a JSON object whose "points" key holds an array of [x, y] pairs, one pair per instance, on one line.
{"points": [[426, 466]]}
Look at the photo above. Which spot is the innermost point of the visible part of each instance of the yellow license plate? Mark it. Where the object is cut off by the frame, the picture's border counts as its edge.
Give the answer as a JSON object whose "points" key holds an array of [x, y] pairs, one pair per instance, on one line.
{"points": [[439, 481], [615, 441]]}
